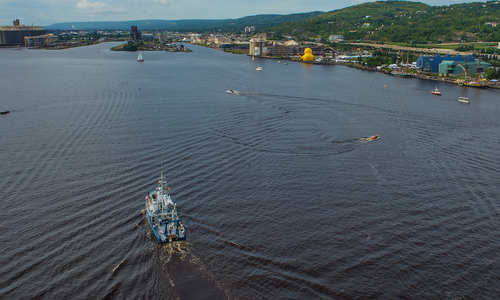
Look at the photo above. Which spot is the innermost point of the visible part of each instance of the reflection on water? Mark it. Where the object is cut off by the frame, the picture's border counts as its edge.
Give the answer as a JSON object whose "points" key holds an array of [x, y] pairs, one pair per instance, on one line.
{"points": [[281, 190]]}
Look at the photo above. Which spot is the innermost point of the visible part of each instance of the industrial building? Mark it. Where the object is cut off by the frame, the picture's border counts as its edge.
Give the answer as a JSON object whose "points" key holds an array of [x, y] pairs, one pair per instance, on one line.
{"points": [[258, 47], [135, 35], [283, 50], [431, 63], [272, 48], [36, 40], [335, 38], [14, 35], [148, 37], [455, 68]]}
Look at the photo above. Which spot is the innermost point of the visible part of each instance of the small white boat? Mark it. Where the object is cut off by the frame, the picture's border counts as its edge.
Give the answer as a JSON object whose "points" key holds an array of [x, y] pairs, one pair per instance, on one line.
{"points": [[259, 68], [463, 100], [139, 57], [436, 92], [279, 61]]}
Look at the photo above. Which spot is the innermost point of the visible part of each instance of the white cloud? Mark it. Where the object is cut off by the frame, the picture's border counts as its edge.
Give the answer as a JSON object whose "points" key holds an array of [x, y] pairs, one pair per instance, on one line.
{"points": [[163, 2], [98, 8]]}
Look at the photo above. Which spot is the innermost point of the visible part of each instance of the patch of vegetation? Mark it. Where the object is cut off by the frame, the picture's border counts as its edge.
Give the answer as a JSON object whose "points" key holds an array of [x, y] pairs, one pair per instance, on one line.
{"points": [[132, 47], [238, 25], [236, 51], [402, 21]]}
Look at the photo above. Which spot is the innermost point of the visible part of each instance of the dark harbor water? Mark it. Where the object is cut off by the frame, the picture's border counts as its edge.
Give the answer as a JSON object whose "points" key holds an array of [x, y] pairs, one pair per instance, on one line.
{"points": [[281, 196]]}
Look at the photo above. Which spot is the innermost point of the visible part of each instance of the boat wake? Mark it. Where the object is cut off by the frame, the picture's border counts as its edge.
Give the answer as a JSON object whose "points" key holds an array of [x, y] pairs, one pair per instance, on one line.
{"points": [[185, 270], [369, 139], [291, 125], [239, 93]]}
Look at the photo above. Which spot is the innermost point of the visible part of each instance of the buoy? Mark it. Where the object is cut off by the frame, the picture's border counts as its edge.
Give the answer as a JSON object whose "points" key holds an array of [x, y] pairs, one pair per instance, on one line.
{"points": [[385, 85]]}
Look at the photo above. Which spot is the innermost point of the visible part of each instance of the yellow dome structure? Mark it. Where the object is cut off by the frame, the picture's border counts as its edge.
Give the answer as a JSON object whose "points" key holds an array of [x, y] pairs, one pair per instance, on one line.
{"points": [[308, 55]]}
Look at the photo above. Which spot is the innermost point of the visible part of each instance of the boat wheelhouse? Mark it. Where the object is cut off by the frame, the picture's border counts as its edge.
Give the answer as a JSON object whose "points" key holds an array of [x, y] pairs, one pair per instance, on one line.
{"points": [[463, 100]]}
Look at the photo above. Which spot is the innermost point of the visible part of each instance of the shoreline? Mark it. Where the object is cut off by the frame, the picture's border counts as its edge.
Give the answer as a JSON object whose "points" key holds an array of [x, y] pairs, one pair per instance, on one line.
{"points": [[374, 69]]}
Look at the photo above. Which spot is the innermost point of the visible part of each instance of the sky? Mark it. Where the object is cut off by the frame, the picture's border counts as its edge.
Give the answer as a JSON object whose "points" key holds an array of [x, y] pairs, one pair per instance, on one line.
{"points": [[47, 12]]}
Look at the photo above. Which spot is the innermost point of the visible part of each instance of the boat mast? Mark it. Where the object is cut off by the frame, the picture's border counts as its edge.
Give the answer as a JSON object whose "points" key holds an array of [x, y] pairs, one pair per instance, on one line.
{"points": [[465, 69], [162, 191]]}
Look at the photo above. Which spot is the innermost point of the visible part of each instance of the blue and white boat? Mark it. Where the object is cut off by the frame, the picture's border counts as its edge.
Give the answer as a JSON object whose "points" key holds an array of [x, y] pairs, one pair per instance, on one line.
{"points": [[162, 216]]}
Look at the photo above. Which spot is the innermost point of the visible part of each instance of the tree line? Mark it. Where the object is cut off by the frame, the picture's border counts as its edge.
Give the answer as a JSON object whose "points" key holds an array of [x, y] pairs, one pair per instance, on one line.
{"points": [[401, 21]]}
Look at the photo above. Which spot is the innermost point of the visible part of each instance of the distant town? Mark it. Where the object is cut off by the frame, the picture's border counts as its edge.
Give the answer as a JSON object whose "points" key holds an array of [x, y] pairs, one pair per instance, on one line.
{"points": [[443, 62]]}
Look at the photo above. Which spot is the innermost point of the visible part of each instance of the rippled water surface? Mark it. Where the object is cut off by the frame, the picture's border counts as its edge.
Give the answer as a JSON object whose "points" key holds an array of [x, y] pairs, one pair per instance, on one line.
{"points": [[282, 196]]}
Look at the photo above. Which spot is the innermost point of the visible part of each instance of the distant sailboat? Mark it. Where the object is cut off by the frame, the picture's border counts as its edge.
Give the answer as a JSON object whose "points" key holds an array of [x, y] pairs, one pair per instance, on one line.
{"points": [[139, 57]]}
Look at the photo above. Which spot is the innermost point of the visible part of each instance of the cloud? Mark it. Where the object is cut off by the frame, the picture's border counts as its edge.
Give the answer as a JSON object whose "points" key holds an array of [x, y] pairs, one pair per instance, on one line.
{"points": [[163, 2], [98, 8]]}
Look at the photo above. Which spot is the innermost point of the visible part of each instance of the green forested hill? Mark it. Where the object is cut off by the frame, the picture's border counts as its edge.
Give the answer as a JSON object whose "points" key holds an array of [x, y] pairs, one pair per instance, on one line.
{"points": [[186, 25], [402, 21]]}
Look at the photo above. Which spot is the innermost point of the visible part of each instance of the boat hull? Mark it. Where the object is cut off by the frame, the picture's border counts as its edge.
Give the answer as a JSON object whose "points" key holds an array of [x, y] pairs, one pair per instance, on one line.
{"points": [[403, 75], [464, 100], [476, 84]]}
